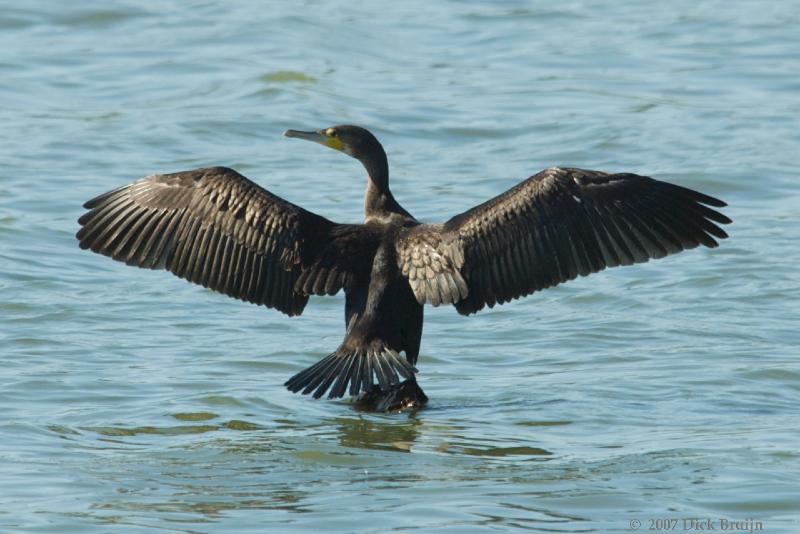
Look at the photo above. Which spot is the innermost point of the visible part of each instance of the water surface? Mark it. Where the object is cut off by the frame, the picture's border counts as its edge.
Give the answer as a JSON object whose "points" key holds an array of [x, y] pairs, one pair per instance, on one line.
{"points": [[133, 401]]}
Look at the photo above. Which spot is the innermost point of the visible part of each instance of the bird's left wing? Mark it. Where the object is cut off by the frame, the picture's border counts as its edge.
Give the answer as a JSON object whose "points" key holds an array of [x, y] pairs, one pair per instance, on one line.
{"points": [[550, 228], [216, 228]]}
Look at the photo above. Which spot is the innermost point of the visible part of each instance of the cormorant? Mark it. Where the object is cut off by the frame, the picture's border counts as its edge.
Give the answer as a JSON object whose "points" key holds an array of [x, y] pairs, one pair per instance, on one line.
{"points": [[216, 228]]}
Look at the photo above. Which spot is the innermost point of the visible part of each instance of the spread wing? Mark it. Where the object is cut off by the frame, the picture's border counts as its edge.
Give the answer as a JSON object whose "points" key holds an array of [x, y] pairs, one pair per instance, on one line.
{"points": [[550, 228], [216, 228]]}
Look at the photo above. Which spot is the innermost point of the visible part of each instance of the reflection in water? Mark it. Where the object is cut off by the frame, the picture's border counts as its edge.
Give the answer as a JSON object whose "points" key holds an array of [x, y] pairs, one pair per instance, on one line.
{"points": [[174, 430], [379, 434], [286, 500], [494, 451], [284, 467], [116, 431], [201, 481], [384, 435]]}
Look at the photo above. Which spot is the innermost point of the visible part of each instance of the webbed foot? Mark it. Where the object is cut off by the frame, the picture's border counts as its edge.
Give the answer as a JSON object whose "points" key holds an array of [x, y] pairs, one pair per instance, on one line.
{"points": [[402, 397]]}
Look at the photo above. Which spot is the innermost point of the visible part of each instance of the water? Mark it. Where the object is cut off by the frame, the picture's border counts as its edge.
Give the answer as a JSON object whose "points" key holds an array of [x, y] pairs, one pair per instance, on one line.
{"points": [[132, 401]]}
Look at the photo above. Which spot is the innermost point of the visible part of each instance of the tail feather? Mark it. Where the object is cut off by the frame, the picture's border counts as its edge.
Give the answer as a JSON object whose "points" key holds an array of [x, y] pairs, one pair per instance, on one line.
{"points": [[341, 382], [358, 374], [360, 368], [386, 375], [318, 375]]}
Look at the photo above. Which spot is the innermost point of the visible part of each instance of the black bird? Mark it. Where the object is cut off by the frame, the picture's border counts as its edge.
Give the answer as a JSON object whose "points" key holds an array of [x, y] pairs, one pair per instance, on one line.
{"points": [[216, 228]]}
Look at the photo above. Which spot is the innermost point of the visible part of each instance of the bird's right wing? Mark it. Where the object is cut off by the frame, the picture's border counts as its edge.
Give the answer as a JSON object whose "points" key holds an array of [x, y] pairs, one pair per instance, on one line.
{"points": [[216, 228], [550, 228]]}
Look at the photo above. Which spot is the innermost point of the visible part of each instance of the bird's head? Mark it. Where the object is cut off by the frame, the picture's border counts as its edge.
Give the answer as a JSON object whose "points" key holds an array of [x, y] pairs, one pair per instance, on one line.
{"points": [[352, 140]]}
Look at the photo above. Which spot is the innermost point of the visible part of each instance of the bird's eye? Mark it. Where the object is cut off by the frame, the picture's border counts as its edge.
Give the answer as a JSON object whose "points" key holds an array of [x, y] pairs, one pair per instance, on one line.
{"points": [[332, 133]]}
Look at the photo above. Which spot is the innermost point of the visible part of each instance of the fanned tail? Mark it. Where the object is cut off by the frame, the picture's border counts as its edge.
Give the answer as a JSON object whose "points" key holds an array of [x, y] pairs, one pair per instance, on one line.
{"points": [[357, 367]]}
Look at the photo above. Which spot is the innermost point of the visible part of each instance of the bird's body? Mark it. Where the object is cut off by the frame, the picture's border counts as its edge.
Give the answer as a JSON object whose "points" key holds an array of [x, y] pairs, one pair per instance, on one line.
{"points": [[217, 228]]}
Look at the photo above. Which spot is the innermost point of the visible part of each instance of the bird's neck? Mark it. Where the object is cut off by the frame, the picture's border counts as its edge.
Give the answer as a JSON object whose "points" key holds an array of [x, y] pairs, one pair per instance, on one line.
{"points": [[379, 203]]}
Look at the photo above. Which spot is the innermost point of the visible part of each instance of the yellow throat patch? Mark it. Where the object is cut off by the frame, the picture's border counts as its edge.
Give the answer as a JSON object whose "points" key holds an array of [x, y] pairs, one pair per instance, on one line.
{"points": [[335, 143]]}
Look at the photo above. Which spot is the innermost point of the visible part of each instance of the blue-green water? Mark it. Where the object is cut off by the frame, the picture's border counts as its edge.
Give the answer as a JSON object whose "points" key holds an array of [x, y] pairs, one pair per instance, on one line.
{"points": [[132, 401]]}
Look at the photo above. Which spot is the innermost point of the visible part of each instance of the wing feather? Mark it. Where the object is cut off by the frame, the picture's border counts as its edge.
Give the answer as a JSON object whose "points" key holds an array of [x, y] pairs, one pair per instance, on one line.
{"points": [[551, 228], [216, 228]]}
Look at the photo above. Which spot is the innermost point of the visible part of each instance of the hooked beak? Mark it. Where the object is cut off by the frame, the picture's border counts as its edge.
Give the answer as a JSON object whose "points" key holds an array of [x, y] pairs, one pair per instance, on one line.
{"points": [[318, 137]]}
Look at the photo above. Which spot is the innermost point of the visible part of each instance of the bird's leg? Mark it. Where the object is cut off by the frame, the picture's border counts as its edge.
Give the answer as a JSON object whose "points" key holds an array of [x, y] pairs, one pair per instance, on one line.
{"points": [[402, 397]]}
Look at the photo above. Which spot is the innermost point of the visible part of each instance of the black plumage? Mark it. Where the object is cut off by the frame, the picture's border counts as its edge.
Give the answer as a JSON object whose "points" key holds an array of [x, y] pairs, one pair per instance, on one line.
{"points": [[218, 229]]}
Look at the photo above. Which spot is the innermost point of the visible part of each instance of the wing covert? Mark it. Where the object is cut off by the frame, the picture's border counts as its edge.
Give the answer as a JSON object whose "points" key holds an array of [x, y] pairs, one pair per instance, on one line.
{"points": [[432, 264]]}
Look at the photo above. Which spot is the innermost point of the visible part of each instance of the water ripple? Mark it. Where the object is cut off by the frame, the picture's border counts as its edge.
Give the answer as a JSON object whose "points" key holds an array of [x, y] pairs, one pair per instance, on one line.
{"points": [[133, 401]]}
